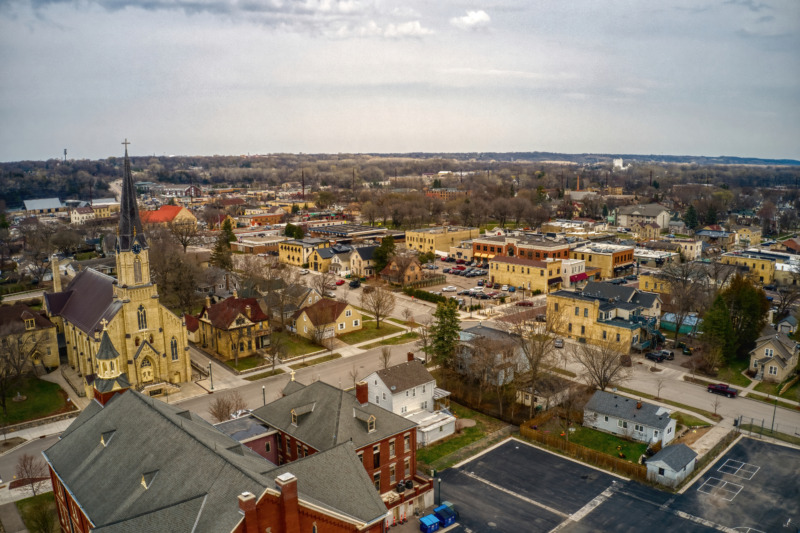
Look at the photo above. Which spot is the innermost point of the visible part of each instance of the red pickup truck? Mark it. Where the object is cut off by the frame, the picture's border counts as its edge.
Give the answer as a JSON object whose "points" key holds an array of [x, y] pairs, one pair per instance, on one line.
{"points": [[721, 388]]}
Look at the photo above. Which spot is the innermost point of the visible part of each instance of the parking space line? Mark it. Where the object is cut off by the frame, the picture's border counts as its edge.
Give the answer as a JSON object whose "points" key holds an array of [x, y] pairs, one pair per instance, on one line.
{"points": [[720, 488], [518, 496], [739, 469], [588, 508]]}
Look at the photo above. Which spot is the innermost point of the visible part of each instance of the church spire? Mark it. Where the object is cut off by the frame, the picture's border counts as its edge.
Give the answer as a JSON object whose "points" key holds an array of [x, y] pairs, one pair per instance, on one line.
{"points": [[130, 226]]}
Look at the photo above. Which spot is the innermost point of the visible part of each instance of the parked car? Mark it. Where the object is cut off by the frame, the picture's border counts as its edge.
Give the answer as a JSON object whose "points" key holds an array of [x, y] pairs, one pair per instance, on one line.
{"points": [[446, 270], [770, 287], [512, 289], [558, 343], [460, 261], [303, 271], [631, 277], [658, 357], [721, 388], [525, 303], [480, 283], [464, 292], [355, 284], [687, 350], [339, 282], [496, 286], [669, 354], [450, 288], [329, 294]]}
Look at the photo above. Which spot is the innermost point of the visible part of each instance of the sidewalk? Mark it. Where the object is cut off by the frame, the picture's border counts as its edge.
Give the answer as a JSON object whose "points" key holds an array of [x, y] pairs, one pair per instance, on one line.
{"points": [[10, 518]]}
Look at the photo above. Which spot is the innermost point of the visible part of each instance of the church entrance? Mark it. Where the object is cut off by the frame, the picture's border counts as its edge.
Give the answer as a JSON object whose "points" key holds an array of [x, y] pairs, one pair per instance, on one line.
{"points": [[147, 370]]}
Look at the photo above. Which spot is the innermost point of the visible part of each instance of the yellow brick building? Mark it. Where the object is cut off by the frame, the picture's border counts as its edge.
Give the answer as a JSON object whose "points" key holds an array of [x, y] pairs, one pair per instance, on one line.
{"points": [[653, 282], [233, 327], [298, 252], [542, 276], [613, 260], [749, 236], [326, 319], [27, 333], [439, 239], [762, 266]]}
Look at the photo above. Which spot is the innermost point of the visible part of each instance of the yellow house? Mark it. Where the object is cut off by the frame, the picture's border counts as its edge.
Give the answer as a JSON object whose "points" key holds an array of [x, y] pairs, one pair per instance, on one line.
{"points": [[27, 334], [761, 267], [653, 282], [326, 319], [749, 236], [298, 252], [530, 274], [234, 326], [439, 239], [321, 258], [646, 231], [613, 260]]}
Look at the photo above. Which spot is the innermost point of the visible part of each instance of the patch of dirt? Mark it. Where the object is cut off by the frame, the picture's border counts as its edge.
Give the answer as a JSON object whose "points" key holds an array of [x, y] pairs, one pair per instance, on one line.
{"points": [[654, 369], [13, 442], [692, 436], [462, 423]]}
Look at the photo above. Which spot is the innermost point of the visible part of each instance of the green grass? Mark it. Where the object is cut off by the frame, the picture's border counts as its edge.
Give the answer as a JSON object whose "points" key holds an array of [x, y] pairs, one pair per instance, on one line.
{"points": [[245, 363], [774, 434], [43, 399], [296, 345], [772, 388], [689, 420], [368, 332], [733, 374], [400, 339], [563, 372], [771, 401], [263, 375], [707, 414], [28, 509], [316, 361], [607, 443], [483, 426]]}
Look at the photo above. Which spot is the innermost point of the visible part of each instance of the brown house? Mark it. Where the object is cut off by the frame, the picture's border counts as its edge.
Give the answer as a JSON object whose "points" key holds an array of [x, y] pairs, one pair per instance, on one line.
{"points": [[402, 271], [233, 327]]}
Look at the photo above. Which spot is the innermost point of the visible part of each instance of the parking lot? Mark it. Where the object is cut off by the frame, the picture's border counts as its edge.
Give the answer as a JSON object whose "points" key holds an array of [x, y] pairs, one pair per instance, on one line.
{"points": [[518, 487]]}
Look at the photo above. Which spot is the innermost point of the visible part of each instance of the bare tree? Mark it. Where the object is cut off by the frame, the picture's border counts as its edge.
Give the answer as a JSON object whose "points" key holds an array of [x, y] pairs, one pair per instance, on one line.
{"points": [[571, 403], [482, 363], [17, 350], [224, 406], [710, 359], [660, 382], [379, 302], [385, 357], [353, 373], [408, 316], [424, 332], [32, 471], [184, 232], [716, 403], [684, 280], [324, 282], [603, 363]]}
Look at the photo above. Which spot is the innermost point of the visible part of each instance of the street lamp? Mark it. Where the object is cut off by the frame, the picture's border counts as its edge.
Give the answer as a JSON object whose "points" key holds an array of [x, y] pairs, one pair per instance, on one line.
{"points": [[774, 409], [264, 394], [470, 306], [211, 375]]}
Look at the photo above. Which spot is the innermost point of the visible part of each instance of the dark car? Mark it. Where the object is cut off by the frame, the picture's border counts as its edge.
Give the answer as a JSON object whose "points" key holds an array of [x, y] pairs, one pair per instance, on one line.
{"points": [[446, 271], [669, 354], [721, 388], [655, 356], [687, 350], [355, 284]]}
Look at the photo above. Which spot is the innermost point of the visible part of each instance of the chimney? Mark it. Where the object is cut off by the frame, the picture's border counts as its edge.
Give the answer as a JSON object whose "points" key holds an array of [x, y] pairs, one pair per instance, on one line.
{"points": [[56, 273], [235, 293], [290, 512], [410, 356], [208, 300], [247, 311], [362, 392], [247, 506]]}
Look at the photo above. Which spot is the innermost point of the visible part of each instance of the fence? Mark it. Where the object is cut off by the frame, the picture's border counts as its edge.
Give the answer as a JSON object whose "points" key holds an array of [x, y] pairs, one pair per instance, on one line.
{"points": [[763, 427], [581, 453], [437, 279]]}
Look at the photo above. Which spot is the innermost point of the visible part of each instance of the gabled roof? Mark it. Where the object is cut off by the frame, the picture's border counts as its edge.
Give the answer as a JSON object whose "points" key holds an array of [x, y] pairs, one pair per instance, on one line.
{"points": [[13, 317], [648, 210], [88, 299], [43, 203], [222, 314], [625, 408], [784, 346], [165, 213], [366, 252], [335, 419], [675, 457], [404, 376], [620, 293], [192, 324], [324, 311]]}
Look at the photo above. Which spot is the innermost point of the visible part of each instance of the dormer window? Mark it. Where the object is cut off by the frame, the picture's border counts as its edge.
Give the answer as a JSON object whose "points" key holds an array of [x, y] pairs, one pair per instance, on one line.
{"points": [[768, 352], [30, 323], [294, 417], [371, 424]]}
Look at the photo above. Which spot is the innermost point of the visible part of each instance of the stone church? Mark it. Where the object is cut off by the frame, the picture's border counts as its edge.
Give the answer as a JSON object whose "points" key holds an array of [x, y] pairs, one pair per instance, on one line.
{"points": [[150, 339]]}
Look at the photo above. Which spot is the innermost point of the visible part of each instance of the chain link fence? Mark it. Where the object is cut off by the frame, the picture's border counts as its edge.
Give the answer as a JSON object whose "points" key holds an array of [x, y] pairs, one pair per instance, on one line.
{"points": [[769, 429]]}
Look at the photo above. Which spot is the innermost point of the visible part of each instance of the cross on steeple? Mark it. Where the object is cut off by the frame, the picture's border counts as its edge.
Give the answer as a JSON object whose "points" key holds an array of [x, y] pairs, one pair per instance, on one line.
{"points": [[126, 143], [104, 323]]}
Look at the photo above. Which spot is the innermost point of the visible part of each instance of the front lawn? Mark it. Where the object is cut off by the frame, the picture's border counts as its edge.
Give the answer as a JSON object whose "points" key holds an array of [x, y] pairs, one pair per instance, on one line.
{"points": [[400, 339], [707, 414], [295, 345], [772, 389], [369, 332], [688, 420], [42, 399], [245, 363], [316, 361], [263, 375], [39, 511], [607, 443], [732, 373]]}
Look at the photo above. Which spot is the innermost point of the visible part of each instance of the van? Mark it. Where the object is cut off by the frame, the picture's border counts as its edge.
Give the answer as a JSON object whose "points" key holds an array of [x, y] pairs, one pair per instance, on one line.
{"points": [[669, 354]]}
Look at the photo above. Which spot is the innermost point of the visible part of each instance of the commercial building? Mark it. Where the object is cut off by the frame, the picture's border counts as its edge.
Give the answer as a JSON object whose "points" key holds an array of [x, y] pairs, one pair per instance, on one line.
{"points": [[438, 240], [532, 275], [528, 246], [629, 215], [297, 252], [613, 260], [761, 266]]}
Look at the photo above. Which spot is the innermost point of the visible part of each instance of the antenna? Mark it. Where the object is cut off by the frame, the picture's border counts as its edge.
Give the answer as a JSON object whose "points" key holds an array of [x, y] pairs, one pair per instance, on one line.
{"points": [[65, 155]]}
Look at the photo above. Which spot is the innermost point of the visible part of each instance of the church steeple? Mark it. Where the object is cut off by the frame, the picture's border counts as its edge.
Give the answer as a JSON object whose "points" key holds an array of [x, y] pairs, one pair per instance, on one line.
{"points": [[109, 378], [130, 226]]}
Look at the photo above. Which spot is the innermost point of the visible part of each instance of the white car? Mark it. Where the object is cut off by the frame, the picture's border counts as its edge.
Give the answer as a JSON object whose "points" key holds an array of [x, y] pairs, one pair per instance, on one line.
{"points": [[504, 288], [303, 271], [450, 288], [476, 289]]}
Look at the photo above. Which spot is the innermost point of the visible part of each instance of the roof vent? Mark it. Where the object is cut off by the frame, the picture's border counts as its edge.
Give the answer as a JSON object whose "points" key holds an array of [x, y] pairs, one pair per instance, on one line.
{"points": [[147, 479], [105, 438]]}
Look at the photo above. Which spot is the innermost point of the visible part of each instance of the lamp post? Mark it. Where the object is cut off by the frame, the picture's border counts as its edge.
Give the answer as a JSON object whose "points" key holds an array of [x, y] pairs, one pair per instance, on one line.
{"points": [[211, 375], [775, 408], [470, 306], [264, 394]]}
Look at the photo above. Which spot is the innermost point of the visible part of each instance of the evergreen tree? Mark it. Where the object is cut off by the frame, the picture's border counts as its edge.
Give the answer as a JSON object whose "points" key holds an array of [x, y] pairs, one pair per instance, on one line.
{"points": [[383, 253], [690, 218], [221, 254], [711, 216], [748, 307], [227, 231], [718, 329], [444, 333], [605, 212]]}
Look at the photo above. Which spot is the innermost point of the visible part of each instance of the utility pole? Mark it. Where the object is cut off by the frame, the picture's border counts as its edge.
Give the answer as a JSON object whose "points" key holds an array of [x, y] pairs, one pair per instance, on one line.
{"points": [[303, 181], [65, 155]]}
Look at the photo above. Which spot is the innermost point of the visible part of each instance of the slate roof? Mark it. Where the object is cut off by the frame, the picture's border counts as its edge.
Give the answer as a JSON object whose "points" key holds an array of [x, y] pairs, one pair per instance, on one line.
{"points": [[676, 456], [108, 385], [43, 203], [192, 324], [620, 293], [624, 408], [130, 226], [12, 319], [324, 311], [222, 314], [334, 420], [404, 376], [87, 299], [366, 252], [106, 351], [194, 471]]}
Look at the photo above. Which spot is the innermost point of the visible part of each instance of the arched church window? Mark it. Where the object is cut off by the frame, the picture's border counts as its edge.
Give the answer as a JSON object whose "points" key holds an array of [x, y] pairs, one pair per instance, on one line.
{"points": [[174, 348], [151, 338], [146, 363], [137, 270], [142, 316], [136, 341]]}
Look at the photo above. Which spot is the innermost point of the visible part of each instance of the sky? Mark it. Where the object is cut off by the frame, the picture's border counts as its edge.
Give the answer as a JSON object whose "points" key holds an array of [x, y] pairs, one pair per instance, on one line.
{"points": [[231, 77]]}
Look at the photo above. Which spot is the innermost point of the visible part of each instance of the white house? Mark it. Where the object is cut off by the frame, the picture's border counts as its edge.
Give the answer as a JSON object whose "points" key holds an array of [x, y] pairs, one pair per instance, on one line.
{"points": [[638, 420], [490, 355], [671, 465], [409, 390]]}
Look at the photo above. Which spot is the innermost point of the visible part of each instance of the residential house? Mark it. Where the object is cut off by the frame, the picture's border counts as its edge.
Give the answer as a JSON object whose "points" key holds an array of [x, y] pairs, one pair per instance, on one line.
{"points": [[297, 252], [311, 419], [403, 270], [320, 259], [775, 356], [629, 418], [28, 334], [630, 215], [169, 214], [748, 236], [409, 390], [603, 313], [284, 302], [263, 217], [671, 465], [234, 327], [362, 262], [718, 240], [646, 231], [340, 264], [787, 325], [529, 274], [325, 319], [130, 463], [490, 355], [81, 215]]}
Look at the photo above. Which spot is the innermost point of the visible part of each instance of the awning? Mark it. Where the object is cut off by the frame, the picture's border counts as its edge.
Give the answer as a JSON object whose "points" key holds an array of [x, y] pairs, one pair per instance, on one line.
{"points": [[480, 255], [578, 277], [490, 256], [553, 281]]}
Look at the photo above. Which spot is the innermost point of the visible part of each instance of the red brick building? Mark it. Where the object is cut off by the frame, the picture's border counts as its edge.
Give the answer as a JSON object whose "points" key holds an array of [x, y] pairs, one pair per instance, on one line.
{"points": [[529, 247], [316, 417]]}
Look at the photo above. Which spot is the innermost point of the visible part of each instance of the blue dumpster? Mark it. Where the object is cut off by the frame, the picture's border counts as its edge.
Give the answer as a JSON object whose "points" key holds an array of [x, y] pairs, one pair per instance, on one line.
{"points": [[445, 515], [429, 523]]}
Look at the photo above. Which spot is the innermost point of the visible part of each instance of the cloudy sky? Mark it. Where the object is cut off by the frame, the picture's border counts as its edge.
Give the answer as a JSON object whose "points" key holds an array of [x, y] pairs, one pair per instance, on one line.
{"points": [[203, 77]]}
